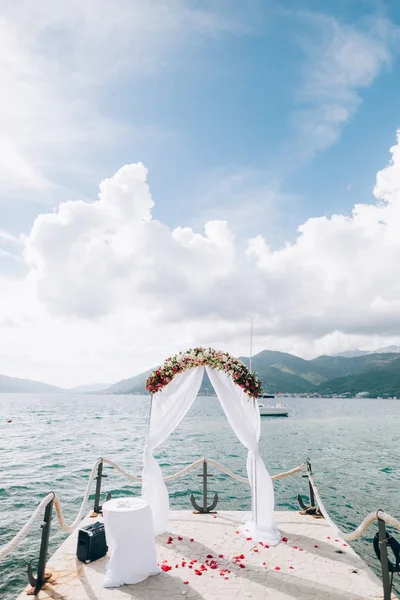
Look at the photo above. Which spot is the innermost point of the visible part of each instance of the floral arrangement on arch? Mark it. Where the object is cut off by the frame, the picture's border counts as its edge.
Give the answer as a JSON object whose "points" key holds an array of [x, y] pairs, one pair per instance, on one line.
{"points": [[222, 361]]}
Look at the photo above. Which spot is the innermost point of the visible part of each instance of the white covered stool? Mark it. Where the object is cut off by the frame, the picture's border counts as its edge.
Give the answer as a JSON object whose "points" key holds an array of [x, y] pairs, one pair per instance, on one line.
{"points": [[130, 538]]}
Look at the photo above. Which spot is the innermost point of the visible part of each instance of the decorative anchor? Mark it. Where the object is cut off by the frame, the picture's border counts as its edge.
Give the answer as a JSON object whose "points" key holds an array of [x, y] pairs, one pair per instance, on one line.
{"points": [[313, 509], [204, 508]]}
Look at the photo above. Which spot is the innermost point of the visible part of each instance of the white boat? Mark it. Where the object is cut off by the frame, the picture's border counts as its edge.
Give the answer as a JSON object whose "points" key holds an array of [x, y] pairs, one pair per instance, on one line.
{"points": [[279, 410]]}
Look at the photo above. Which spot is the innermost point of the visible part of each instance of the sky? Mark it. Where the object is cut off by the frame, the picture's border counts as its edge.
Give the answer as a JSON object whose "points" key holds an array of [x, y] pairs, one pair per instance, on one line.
{"points": [[171, 169]]}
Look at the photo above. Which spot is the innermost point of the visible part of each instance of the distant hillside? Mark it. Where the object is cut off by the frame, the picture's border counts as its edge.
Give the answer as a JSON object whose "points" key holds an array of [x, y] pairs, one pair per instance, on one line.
{"points": [[380, 381], [295, 367], [90, 388], [340, 366], [133, 385], [281, 372], [14, 385]]}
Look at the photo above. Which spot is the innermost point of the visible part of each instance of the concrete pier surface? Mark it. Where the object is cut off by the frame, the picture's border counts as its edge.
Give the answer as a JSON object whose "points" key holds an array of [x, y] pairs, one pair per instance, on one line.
{"points": [[311, 563]]}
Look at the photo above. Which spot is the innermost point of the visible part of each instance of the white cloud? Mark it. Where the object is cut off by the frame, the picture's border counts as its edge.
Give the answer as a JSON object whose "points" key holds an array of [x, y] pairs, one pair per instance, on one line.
{"points": [[110, 290], [342, 60], [56, 64]]}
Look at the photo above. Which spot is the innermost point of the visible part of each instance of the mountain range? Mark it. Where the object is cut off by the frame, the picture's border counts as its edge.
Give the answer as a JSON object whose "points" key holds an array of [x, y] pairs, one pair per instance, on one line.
{"points": [[377, 373]]}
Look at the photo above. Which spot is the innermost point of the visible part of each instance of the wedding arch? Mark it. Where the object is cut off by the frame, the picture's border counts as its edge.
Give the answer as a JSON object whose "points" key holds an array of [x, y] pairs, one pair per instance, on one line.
{"points": [[173, 388]]}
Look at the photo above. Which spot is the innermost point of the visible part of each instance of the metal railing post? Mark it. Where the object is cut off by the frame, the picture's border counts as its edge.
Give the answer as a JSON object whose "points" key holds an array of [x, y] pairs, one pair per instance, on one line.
{"points": [[384, 559], [97, 505], [310, 487], [41, 578]]}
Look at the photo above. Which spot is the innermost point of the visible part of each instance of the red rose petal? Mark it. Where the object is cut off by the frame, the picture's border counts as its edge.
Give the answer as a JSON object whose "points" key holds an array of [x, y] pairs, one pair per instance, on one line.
{"points": [[249, 539], [185, 583], [183, 563], [277, 568], [226, 578], [291, 567], [344, 544], [242, 566], [209, 556], [221, 555], [255, 549], [215, 516], [266, 546], [294, 547], [176, 566], [328, 537], [191, 540], [180, 538], [284, 539], [315, 546], [190, 566]]}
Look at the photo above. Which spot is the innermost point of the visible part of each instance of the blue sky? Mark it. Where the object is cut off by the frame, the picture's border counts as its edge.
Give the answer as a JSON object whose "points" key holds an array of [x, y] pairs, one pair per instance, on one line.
{"points": [[222, 105], [263, 114]]}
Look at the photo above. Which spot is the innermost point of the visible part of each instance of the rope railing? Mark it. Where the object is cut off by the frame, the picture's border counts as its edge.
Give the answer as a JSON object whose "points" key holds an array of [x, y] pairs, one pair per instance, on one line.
{"points": [[21, 535], [364, 525], [27, 528], [52, 497]]}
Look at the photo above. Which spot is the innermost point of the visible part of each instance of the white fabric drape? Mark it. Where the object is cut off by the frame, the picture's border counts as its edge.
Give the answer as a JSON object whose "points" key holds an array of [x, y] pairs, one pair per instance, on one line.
{"points": [[244, 417], [168, 408]]}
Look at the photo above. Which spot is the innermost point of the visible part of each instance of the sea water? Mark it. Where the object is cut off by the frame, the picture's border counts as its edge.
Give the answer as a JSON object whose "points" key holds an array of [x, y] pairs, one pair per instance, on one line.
{"points": [[53, 441]]}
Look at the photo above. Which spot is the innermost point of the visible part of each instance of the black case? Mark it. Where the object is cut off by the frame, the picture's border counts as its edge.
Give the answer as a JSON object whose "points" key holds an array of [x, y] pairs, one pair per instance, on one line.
{"points": [[91, 543]]}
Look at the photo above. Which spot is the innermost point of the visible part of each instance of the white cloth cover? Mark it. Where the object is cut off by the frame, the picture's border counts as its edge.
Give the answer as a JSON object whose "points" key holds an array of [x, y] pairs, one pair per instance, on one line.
{"points": [[168, 408], [244, 417], [130, 538]]}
